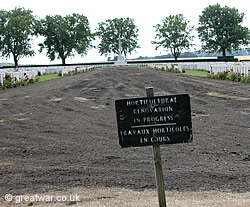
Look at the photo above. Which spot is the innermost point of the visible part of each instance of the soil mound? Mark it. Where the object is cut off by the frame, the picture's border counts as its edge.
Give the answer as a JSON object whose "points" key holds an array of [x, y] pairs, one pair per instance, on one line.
{"points": [[62, 133]]}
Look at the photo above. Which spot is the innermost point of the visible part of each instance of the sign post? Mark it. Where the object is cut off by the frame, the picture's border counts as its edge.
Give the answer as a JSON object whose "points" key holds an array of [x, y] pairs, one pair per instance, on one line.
{"points": [[158, 165], [154, 120]]}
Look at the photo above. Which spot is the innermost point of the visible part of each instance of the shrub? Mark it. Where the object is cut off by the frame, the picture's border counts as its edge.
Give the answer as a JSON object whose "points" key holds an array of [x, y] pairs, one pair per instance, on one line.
{"points": [[247, 80], [74, 72], [238, 77], [211, 75], [8, 82], [30, 81], [172, 70], [22, 83], [221, 75], [168, 69], [231, 75]]}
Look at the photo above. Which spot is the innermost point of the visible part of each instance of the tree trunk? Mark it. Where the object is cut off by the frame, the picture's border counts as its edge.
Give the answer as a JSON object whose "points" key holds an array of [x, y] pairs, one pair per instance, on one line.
{"points": [[224, 52], [15, 60], [63, 60]]}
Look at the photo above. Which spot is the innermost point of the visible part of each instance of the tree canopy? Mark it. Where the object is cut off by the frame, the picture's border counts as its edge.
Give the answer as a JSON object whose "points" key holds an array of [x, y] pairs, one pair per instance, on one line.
{"points": [[174, 34], [110, 31], [65, 36], [16, 31], [220, 29]]}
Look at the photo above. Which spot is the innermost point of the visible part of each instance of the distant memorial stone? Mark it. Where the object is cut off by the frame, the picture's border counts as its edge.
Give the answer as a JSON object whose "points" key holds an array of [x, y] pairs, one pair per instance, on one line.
{"points": [[121, 60]]}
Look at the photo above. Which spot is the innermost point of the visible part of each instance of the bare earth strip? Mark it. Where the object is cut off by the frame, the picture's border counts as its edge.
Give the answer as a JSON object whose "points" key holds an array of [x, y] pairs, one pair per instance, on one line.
{"points": [[60, 137]]}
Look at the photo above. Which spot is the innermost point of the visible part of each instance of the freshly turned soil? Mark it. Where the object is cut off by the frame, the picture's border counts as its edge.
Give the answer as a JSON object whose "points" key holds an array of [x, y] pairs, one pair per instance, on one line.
{"points": [[62, 133]]}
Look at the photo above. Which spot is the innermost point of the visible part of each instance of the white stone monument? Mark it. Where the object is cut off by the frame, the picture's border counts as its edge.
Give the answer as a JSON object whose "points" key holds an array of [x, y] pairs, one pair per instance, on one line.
{"points": [[121, 60]]}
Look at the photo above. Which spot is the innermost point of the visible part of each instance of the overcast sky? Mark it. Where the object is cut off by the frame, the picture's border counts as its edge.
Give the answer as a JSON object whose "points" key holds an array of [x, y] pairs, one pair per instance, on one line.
{"points": [[146, 14]]}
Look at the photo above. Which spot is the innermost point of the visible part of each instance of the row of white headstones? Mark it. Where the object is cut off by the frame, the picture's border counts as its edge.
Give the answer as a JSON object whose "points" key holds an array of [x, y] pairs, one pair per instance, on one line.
{"points": [[31, 72], [23, 73]]}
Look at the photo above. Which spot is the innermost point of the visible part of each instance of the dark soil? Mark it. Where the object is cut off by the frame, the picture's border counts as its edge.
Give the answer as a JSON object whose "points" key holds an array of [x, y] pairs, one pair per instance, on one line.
{"points": [[62, 133]]}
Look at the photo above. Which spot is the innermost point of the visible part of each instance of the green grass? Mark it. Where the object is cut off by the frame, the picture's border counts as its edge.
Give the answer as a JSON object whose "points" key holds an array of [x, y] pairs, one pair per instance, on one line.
{"points": [[47, 77], [196, 73]]}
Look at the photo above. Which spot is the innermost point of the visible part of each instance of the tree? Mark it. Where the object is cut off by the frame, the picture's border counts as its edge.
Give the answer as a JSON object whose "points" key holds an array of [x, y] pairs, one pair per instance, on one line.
{"points": [[16, 31], [65, 35], [109, 33], [174, 34], [220, 29]]}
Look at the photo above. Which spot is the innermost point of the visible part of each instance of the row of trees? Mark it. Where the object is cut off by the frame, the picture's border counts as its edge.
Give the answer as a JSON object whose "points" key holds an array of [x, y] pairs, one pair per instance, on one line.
{"points": [[219, 29]]}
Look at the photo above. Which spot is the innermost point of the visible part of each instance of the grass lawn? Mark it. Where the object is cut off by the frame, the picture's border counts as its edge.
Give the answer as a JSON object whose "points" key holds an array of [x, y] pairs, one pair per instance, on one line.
{"points": [[47, 77], [188, 72], [196, 73]]}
